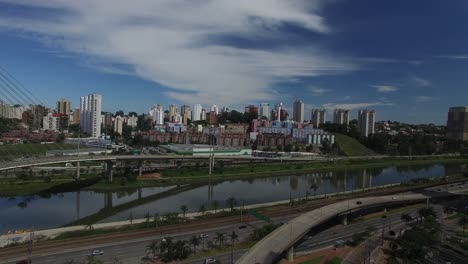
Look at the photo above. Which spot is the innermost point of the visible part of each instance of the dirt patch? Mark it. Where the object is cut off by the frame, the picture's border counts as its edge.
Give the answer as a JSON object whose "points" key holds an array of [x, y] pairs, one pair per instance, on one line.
{"points": [[152, 175]]}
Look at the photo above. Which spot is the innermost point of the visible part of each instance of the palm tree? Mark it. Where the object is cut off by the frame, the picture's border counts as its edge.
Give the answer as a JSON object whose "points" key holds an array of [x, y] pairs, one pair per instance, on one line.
{"points": [[233, 236], [153, 248], [314, 187], [147, 218], [156, 219], [231, 202], [130, 218], [220, 238], [215, 205], [195, 241], [407, 218], [202, 210], [184, 209]]}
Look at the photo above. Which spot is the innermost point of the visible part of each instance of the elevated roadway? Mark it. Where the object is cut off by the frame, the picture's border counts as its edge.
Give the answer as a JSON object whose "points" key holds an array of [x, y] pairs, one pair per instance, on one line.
{"points": [[283, 239]]}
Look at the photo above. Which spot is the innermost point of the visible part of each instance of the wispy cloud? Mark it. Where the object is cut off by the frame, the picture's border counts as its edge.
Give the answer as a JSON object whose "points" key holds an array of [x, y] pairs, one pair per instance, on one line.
{"points": [[331, 106], [454, 57], [423, 99], [385, 88], [421, 81], [318, 91], [173, 43]]}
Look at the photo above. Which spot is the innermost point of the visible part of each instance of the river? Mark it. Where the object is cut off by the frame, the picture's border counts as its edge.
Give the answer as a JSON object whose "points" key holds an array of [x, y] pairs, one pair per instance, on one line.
{"points": [[35, 212]]}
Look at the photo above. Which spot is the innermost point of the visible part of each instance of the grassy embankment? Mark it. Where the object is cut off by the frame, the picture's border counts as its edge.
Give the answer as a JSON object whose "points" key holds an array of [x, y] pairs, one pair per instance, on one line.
{"points": [[190, 175], [14, 151], [351, 147]]}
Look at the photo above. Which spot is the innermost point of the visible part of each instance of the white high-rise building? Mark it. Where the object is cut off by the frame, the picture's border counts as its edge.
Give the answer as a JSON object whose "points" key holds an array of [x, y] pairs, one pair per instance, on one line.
{"points": [[132, 121], [298, 111], [278, 111], [318, 117], [157, 113], [196, 113], [341, 116], [50, 122], [172, 110], [90, 114], [215, 109], [264, 110], [366, 122], [118, 124], [203, 114]]}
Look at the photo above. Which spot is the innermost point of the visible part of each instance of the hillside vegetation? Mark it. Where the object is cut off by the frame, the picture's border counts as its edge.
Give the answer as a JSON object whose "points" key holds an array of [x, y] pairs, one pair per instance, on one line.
{"points": [[351, 147]]}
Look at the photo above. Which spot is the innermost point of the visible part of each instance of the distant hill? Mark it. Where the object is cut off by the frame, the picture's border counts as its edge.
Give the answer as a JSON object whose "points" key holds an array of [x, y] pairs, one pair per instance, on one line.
{"points": [[351, 147]]}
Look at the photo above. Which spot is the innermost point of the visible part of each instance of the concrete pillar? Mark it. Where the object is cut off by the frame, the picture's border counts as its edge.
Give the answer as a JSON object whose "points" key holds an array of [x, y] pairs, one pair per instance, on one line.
{"points": [[77, 169], [109, 170], [291, 254], [344, 220]]}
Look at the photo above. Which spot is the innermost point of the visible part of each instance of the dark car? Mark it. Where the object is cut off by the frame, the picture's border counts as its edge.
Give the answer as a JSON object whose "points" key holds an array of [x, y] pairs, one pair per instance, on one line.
{"points": [[242, 227], [358, 202], [24, 261]]}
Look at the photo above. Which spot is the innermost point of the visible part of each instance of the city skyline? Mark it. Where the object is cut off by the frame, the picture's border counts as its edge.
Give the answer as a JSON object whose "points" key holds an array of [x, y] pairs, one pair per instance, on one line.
{"points": [[401, 69]]}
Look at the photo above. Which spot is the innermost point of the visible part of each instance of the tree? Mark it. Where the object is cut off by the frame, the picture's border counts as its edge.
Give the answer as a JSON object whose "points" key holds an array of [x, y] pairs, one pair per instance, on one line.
{"points": [[406, 218], [147, 218], [202, 210], [314, 186], [195, 241], [156, 219], [184, 209], [215, 205], [307, 194], [153, 248], [231, 202], [233, 236], [220, 238], [130, 218]]}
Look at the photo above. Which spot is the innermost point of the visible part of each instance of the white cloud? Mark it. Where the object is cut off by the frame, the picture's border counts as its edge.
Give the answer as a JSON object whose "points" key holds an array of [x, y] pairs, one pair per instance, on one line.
{"points": [[332, 106], [171, 42], [318, 91], [454, 57], [424, 99], [420, 81], [385, 88]]}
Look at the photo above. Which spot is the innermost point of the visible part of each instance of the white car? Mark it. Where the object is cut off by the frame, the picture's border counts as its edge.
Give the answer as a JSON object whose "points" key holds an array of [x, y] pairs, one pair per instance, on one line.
{"points": [[210, 260], [97, 252], [203, 235]]}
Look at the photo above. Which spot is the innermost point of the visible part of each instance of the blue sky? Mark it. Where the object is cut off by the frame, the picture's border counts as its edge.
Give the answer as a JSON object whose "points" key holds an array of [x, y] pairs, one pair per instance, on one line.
{"points": [[406, 59]]}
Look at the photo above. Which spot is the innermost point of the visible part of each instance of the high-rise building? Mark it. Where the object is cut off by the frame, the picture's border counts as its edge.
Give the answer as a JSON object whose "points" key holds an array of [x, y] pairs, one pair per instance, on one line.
{"points": [[457, 123], [341, 116], [278, 109], [76, 116], [90, 114], [172, 110], [318, 117], [11, 111], [298, 111], [214, 109], [366, 122], [132, 121], [157, 113], [203, 114], [118, 124], [107, 119], [264, 110], [197, 112], [51, 122], [251, 109], [225, 109], [63, 107], [211, 118]]}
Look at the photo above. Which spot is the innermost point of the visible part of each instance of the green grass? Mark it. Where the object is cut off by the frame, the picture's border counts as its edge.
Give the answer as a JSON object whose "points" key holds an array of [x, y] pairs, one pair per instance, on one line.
{"points": [[313, 261], [16, 188], [351, 147], [14, 151], [455, 216], [335, 260]]}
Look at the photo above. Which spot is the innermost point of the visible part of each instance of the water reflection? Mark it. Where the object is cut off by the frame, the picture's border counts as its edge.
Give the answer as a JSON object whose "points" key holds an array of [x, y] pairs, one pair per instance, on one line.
{"points": [[53, 210]]}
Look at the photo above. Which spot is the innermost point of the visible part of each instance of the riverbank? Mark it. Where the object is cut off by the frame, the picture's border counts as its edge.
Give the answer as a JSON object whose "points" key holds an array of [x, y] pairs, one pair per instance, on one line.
{"points": [[201, 175], [195, 175]]}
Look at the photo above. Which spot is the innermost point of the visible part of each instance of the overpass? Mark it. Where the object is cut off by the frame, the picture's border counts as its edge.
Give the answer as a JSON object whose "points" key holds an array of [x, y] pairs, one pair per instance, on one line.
{"points": [[283, 239]]}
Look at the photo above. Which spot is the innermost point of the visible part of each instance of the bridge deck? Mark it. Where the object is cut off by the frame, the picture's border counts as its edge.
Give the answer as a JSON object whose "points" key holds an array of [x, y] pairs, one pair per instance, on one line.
{"points": [[272, 246]]}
